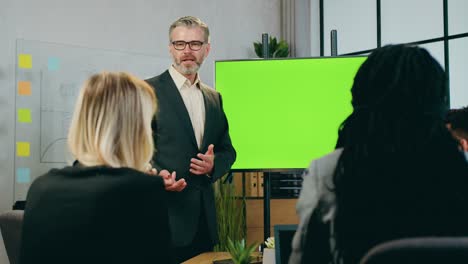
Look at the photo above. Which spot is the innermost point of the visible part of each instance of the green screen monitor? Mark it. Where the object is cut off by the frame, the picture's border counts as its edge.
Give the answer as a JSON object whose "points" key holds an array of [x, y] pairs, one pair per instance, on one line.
{"points": [[283, 113]]}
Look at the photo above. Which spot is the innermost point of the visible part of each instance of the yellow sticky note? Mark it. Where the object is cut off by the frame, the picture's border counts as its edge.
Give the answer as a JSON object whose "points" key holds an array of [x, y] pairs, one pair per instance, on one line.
{"points": [[24, 115], [25, 61], [24, 88], [22, 149]]}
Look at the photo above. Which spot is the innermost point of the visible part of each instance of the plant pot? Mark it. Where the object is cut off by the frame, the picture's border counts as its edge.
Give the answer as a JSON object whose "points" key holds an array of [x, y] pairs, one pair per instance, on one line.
{"points": [[268, 256]]}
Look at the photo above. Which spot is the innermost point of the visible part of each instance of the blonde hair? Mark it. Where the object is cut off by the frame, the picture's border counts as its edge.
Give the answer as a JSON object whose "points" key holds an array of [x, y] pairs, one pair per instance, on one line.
{"points": [[189, 22], [111, 124]]}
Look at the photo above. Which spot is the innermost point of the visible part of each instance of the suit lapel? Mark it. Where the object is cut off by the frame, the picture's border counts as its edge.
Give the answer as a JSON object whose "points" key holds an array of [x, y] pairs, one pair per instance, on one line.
{"points": [[178, 105]]}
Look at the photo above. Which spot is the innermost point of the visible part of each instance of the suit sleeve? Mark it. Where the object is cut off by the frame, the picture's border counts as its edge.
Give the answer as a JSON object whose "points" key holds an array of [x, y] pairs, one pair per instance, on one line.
{"points": [[225, 154]]}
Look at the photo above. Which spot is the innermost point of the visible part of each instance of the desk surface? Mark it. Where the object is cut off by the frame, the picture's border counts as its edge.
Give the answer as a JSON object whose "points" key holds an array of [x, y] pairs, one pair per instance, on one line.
{"points": [[209, 257]]}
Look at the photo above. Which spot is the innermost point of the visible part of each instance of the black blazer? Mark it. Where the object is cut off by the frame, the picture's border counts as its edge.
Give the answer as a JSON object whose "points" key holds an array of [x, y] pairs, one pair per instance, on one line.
{"points": [[96, 215], [176, 145]]}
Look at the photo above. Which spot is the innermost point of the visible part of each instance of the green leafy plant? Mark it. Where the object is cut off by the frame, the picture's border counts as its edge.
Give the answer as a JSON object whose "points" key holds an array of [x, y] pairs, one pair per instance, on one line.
{"points": [[240, 253], [230, 212], [276, 49]]}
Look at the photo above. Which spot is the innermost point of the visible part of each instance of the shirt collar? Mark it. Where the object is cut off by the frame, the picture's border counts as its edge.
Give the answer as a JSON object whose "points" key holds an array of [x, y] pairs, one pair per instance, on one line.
{"points": [[180, 79]]}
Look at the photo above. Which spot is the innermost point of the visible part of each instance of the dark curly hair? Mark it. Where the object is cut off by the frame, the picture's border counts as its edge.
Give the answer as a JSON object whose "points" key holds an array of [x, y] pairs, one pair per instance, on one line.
{"points": [[400, 173]]}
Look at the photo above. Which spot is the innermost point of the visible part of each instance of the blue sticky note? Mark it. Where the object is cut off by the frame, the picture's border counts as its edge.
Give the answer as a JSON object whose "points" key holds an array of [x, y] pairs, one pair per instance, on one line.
{"points": [[23, 175], [53, 64]]}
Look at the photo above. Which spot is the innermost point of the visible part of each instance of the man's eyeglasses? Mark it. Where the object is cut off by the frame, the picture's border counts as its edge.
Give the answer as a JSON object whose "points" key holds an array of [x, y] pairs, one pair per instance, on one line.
{"points": [[193, 45]]}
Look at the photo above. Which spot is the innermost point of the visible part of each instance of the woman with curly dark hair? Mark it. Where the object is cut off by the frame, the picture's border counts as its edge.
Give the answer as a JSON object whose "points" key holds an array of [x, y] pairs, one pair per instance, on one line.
{"points": [[396, 171]]}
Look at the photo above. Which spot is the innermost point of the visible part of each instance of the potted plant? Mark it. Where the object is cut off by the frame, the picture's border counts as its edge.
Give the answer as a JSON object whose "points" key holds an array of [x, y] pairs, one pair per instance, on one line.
{"points": [[269, 251], [276, 49], [240, 253], [230, 213]]}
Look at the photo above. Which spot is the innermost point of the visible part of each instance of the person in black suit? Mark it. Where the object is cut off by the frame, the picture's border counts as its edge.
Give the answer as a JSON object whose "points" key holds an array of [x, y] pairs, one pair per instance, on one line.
{"points": [[457, 123], [106, 208], [191, 131]]}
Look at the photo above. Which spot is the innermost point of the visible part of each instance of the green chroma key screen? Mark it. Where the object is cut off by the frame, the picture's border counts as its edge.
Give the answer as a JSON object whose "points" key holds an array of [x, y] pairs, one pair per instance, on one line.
{"points": [[283, 113]]}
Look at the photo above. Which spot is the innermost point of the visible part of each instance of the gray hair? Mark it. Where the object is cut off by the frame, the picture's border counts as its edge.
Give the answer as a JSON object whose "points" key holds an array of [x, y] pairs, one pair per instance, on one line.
{"points": [[190, 22]]}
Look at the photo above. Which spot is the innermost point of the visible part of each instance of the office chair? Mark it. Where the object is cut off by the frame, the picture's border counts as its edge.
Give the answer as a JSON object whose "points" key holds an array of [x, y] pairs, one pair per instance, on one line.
{"points": [[10, 224], [432, 250]]}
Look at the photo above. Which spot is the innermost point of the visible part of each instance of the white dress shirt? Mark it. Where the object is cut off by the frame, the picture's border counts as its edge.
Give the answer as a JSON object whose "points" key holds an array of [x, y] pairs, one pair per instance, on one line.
{"points": [[193, 100]]}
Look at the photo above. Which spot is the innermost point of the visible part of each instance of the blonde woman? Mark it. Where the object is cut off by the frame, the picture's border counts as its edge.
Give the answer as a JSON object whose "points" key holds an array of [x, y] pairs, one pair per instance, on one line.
{"points": [[106, 208]]}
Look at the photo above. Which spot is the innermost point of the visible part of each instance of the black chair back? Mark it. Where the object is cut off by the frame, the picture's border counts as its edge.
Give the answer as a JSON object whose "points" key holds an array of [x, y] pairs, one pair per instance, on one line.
{"points": [[432, 250], [11, 224]]}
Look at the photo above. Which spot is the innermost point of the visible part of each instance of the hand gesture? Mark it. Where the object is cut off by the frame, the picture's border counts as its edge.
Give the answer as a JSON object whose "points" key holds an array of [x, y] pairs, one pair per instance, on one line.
{"points": [[205, 162], [169, 179]]}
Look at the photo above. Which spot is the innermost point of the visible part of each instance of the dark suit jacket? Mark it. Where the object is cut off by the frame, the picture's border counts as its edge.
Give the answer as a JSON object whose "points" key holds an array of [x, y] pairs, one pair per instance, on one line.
{"points": [[96, 215], [176, 145]]}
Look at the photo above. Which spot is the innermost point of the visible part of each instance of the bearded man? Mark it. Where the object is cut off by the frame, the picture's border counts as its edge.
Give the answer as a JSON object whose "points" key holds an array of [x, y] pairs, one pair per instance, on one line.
{"points": [[191, 137]]}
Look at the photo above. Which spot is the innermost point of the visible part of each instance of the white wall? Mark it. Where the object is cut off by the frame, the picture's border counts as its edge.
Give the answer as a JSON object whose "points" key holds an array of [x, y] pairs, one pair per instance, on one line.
{"points": [[357, 30], [303, 22], [458, 52], [399, 24], [458, 19], [459, 72], [403, 21], [139, 26], [314, 28]]}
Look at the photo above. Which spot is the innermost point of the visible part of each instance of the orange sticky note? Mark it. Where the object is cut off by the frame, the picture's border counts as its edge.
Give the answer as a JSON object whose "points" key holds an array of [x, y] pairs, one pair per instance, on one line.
{"points": [[22, 149], [25, 61], [24, 88]]}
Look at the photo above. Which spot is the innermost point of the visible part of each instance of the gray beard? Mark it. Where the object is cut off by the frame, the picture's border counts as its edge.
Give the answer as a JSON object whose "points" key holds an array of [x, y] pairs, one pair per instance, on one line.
{"points": [[187, 71]]}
